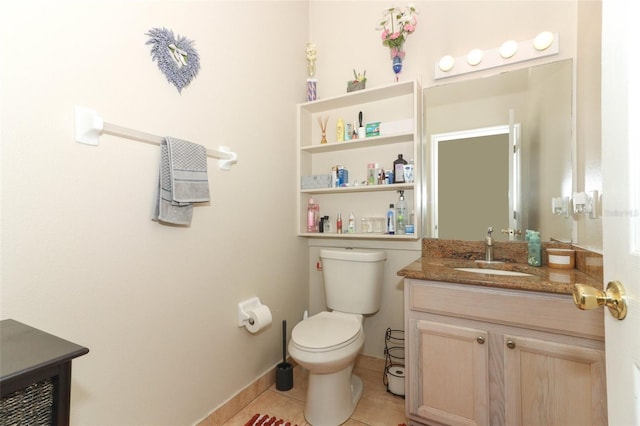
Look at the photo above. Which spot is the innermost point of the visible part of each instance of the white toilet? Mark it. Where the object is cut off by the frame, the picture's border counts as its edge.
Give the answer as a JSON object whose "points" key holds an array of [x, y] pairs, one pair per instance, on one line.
{"points": [[327, 343]]}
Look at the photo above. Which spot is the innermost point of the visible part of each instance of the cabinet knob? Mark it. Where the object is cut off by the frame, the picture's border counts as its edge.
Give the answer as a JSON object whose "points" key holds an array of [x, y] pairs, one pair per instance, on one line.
{"points": [[480, 340], [511, 344]]}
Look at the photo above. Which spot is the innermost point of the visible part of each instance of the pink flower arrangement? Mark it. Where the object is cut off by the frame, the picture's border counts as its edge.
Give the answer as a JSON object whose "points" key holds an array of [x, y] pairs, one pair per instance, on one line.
{"points": [[396, 25]]}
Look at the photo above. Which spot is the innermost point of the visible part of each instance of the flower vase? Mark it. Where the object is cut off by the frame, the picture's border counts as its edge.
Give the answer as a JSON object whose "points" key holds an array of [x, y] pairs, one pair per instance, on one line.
{"points": [[397, 55], [397, 66]]}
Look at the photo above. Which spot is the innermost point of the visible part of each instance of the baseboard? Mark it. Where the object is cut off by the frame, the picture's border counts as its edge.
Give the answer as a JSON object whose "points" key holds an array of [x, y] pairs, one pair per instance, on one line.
{"points": [[227, 410]]}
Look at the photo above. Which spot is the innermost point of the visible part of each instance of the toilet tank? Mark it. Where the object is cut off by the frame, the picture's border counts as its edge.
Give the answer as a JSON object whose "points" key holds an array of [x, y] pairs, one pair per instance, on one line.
{"points": [[353, 279]]}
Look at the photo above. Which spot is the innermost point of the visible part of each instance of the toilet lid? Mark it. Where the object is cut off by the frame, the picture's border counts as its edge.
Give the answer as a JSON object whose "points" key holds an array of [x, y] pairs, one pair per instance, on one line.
{"points": [[326, 330]]}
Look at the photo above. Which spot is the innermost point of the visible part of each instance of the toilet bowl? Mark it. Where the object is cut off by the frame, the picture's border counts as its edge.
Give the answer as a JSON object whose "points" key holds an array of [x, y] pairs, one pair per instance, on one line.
{"points": [[327, 345]]}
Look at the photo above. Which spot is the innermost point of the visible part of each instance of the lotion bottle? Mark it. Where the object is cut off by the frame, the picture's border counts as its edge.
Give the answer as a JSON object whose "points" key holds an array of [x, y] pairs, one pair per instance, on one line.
{"points": [[312, 216], [340, 130]]}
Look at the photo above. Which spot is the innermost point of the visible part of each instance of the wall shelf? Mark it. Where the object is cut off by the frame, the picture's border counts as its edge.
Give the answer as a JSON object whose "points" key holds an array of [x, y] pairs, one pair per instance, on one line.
{"points": [[358, 143], [360, 188], [394, 102]]}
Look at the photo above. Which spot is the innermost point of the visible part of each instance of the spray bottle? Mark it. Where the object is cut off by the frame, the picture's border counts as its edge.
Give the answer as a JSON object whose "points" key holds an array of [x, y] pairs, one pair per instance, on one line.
{"points": [[401, 214], [351, 227]]}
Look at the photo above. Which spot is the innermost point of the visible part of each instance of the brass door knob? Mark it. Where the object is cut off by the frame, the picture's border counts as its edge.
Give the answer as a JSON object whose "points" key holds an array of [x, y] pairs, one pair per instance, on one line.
{"points": [[587, 297], [480, 340]]}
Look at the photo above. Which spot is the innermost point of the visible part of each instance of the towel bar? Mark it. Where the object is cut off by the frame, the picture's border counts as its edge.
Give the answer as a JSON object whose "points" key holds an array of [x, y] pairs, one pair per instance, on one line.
{"points": [[89, 125]]}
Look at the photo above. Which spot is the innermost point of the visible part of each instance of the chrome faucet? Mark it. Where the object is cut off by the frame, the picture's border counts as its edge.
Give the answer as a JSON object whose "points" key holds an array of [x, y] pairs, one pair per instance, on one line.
{"points": [[488, 246]]}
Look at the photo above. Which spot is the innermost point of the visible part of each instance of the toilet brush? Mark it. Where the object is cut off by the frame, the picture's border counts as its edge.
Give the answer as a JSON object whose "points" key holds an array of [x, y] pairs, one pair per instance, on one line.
{"points": [[284, 370]]}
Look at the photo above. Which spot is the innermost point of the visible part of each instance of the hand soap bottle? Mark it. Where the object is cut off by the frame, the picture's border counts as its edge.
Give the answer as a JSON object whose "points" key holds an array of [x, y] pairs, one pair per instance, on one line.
{"points": [[534, 256]]}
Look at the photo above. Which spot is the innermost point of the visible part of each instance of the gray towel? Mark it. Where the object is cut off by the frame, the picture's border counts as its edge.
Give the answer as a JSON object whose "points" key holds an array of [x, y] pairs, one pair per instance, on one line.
{"points": [[182, 181]]}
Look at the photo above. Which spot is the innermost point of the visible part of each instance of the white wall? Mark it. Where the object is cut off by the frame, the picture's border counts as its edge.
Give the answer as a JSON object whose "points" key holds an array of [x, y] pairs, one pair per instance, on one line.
{"points": [[156, 305]]}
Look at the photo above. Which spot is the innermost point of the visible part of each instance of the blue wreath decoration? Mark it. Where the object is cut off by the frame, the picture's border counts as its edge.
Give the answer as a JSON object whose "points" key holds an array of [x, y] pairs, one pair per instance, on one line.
{"points": [[176, 57]]}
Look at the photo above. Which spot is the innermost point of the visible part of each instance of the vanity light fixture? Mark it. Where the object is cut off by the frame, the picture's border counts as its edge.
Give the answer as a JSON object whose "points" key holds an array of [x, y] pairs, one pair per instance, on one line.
{"points": [[543, 40], [508, 49], [510, 52], [474, 57], [446, 63]]}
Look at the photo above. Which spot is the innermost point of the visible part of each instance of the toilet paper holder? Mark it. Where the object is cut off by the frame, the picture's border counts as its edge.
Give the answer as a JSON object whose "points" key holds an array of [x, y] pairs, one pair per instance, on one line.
{"points": [[244, 308]]}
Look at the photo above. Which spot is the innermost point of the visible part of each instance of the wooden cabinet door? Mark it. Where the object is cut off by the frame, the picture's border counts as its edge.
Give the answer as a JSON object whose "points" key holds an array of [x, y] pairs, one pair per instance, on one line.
{"points": [[553, 384], [453, 374]]}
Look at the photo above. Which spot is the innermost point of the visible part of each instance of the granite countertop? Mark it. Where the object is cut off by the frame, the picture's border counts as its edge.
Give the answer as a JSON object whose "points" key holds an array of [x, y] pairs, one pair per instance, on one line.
{"points": [[441, 257], [543, 278]]}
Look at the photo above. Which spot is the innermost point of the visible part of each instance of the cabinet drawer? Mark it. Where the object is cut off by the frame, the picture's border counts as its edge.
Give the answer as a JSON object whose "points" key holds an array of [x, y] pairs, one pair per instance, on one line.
{"points": [[533, 310]]}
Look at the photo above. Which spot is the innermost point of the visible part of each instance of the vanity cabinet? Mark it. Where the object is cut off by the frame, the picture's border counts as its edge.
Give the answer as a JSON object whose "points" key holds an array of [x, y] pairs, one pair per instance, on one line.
{"points": [[399, 103], [488, 356]]}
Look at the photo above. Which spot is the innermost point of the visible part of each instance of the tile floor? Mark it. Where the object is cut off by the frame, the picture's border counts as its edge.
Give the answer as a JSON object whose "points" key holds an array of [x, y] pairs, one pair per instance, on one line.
{"points": [[377, 407]]}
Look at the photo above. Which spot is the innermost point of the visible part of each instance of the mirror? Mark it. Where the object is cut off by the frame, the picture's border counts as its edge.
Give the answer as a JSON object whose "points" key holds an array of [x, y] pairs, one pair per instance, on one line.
{"points": [[498, 149]]}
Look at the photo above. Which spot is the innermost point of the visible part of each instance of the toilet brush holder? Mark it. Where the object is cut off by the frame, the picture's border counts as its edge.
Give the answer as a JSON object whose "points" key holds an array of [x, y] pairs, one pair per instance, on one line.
{"points": [[284, 370], [284, 376]]}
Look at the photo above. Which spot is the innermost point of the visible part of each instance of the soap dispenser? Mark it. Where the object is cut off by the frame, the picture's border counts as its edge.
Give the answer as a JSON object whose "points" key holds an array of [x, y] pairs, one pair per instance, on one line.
{"points": [[401, 214], [534, 256]]}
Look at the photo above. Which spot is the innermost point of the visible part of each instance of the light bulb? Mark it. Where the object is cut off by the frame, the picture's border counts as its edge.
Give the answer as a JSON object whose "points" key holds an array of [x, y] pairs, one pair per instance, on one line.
{"points": [[475, 57], [508, 49], [543, 40], [446, 63]]}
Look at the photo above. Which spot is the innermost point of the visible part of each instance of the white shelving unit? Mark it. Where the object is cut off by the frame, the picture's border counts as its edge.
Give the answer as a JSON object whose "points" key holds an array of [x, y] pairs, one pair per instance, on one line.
{"points": [[393, 102]]}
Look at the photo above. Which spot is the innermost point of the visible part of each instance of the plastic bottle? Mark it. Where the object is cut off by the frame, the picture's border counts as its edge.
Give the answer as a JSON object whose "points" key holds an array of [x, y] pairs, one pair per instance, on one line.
{"points": [[391, 220], [534, 256], [340, 130], [312, 215], [398, 169], [339, 224], [351, 227], [371, 174], [327, 224], [401, 214]]}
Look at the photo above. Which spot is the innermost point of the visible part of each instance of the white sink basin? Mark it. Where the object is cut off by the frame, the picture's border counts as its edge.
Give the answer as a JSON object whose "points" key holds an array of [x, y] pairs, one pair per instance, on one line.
{"points": [[494, 272]]}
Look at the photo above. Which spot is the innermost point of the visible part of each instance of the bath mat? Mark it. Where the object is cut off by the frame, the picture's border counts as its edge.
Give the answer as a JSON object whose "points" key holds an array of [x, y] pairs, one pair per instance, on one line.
{"points": [[267, 420]]}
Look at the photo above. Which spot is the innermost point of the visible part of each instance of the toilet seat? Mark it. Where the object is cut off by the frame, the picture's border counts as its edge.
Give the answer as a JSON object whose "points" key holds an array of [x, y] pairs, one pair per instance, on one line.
{"points": [[326, 331]]}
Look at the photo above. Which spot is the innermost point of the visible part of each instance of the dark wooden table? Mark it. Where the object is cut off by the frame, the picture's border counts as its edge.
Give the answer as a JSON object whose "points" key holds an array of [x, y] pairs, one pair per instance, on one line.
{"points": [[29, 356]]}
